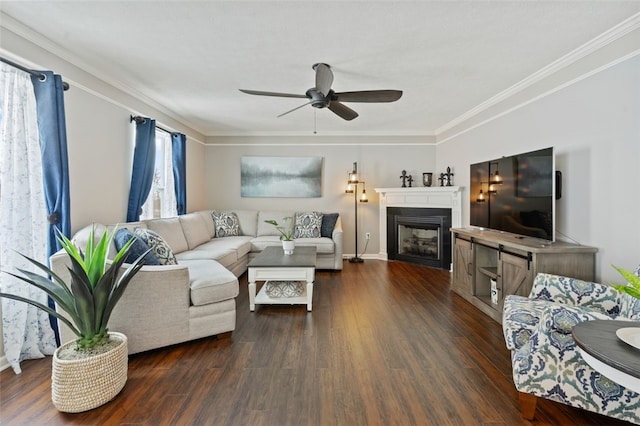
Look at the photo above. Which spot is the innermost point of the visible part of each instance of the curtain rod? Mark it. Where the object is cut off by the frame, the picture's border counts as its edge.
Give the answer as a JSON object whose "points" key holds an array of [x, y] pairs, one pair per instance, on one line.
{"points": [[40, 76], [138, 119]]}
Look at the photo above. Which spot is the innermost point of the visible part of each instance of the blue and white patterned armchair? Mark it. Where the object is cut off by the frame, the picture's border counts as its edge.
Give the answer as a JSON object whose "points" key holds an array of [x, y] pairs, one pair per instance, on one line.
{"points": [[546, 362]]}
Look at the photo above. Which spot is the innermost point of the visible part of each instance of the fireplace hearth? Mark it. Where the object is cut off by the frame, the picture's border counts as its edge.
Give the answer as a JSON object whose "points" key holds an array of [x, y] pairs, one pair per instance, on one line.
{"points": [[419, 235]]}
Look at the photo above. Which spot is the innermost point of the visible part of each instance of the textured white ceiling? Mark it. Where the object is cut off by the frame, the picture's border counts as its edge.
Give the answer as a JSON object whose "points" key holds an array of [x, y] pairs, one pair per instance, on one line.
{"points": [[193, 56]]}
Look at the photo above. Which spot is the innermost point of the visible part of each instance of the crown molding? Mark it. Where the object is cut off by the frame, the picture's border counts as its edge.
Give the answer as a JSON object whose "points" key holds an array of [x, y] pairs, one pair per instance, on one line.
{"points": [[310, 133], [320, 140], [540, 96], [55, 49], [625, 27]]}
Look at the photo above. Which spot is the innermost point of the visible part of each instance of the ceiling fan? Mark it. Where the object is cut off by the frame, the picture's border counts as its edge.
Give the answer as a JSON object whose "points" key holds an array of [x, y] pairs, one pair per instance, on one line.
{"points": [[322, 96]]}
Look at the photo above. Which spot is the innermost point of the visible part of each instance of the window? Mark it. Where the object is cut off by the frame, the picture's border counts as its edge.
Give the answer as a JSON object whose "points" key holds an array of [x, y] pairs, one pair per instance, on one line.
{"points": [[162, 198]]}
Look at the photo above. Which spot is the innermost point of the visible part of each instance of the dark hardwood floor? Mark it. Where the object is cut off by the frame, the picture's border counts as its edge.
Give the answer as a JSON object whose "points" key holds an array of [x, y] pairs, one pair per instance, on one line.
{"points": [[386, 343]]}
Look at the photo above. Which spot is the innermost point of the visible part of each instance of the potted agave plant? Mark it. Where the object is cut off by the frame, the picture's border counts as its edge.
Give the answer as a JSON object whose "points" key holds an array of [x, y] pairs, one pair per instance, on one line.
{"points": [[91, 370], [286, 234]]}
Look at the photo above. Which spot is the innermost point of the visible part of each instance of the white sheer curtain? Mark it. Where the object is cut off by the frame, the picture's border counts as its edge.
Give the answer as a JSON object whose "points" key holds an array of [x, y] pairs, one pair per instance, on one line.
{"points": [[23, 228], [162, 197], [169, 208]]}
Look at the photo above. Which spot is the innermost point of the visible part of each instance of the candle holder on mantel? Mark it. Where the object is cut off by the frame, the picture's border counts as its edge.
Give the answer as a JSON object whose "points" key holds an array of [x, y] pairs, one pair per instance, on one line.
{"points": [[406, 178], [446, 178], [427, 179]]}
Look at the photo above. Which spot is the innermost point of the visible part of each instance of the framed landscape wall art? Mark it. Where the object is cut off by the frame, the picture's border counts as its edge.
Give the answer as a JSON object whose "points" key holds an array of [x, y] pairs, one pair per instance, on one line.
{"points": [[286, 177]]}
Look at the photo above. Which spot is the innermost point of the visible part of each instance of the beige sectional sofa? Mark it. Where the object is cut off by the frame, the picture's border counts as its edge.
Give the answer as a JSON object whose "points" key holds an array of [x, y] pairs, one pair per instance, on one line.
{"points": [[168, 304]]}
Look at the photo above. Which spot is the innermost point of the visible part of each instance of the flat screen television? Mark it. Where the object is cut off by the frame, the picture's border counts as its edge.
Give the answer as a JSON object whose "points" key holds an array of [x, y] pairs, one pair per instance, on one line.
{"points": [[516, 194]]}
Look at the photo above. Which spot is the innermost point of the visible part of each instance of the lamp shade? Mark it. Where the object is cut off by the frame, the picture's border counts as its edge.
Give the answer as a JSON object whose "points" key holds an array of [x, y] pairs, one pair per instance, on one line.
{"points": [[349, 188], [496, 179], [363, 196]]}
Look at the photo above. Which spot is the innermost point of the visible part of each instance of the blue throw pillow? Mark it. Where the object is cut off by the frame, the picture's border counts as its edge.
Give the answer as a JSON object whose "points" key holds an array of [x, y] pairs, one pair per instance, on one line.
{"points": [[328, 223], [137, 248]]}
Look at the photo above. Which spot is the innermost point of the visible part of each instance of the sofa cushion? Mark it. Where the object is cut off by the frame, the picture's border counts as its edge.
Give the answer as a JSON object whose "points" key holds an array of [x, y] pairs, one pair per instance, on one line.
{"points": [[171, 231], [208, 220], [227, 224], [210, 282], [248, 222], [158, 246], [308, 225], [268, 229], [138, 247], [194, 229], [240, 244], [227, 250], [81, 238], [260, 243], [220, 254], [323, 245], [328, 223]]}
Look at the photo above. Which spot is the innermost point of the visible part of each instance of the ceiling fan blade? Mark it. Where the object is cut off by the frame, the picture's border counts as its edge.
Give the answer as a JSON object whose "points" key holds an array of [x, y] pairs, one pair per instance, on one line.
{"points": [[324, 78], [369, 96], [281, 95], [342, 111], [291, 110]]}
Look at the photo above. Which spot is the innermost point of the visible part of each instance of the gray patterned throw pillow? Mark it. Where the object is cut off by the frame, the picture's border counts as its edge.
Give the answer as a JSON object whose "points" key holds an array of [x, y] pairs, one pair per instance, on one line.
{"points": [[227, 224], [308, 225], [279, 289], [158, 246]]}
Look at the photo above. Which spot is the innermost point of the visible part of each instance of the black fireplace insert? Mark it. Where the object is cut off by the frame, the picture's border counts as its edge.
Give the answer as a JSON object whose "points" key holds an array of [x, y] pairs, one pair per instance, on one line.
{"points": [[419, 235]]}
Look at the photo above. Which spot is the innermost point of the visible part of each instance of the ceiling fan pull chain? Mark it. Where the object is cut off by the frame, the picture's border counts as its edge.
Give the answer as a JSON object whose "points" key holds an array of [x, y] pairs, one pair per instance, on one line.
{"points": [[315, 121]]}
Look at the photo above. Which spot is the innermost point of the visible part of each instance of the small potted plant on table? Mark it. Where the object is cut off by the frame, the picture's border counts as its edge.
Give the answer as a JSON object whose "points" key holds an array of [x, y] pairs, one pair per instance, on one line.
{"points": [[286, 235]]}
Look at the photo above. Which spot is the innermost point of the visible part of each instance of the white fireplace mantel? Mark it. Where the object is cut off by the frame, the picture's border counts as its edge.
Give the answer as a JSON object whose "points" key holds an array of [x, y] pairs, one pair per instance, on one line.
{"points": [[421, 197]]}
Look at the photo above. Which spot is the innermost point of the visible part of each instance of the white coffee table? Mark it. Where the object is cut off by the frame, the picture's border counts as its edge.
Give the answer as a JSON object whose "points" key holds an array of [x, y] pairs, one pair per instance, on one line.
{"points": [[273, 265]]}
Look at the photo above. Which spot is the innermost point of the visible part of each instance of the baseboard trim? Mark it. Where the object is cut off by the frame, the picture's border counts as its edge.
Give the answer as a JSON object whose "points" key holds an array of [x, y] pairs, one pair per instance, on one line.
{"points": [[363, 256]]}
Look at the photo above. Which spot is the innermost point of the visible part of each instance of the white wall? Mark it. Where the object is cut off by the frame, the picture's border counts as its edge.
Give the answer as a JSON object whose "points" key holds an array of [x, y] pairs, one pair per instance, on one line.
{"points": [[100, 137], [100, 146], [380, 163], [100, 141], [594, 126]]}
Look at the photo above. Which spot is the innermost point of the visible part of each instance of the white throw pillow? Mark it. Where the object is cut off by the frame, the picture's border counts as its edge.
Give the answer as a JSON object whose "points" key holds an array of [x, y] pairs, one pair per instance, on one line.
{"points": [[158, 246], [308, 225], [227, 224]]}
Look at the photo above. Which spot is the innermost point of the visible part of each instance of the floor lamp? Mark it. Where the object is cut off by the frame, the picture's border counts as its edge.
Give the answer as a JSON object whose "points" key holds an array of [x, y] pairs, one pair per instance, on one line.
{"points": [[352, 187]]}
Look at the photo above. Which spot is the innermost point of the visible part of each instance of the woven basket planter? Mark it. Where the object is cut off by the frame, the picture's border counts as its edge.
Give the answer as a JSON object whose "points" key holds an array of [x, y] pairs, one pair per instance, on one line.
{"points": [[84, 384]]}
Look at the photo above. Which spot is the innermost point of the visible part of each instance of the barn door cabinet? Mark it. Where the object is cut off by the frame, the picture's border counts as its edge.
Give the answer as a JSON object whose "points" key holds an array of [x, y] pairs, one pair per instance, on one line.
{"points": [[489, 265]]}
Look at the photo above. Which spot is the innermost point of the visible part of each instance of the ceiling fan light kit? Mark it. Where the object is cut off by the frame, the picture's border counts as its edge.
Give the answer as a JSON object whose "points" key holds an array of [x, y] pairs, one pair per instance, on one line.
{"points": [[322, 96]]}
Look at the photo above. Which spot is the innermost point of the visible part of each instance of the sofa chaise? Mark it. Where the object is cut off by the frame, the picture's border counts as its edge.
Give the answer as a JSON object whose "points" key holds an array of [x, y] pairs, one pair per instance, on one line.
{"points": [[195, 297]]}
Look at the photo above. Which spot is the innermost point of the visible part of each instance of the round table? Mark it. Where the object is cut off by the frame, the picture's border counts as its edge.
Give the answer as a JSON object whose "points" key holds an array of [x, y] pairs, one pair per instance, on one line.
{"points": [[603, 350]]}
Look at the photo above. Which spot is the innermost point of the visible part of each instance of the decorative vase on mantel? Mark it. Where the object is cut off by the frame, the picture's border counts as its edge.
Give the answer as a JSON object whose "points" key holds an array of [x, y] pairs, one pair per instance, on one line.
{"points": [[83, 384], [288, 246]]}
